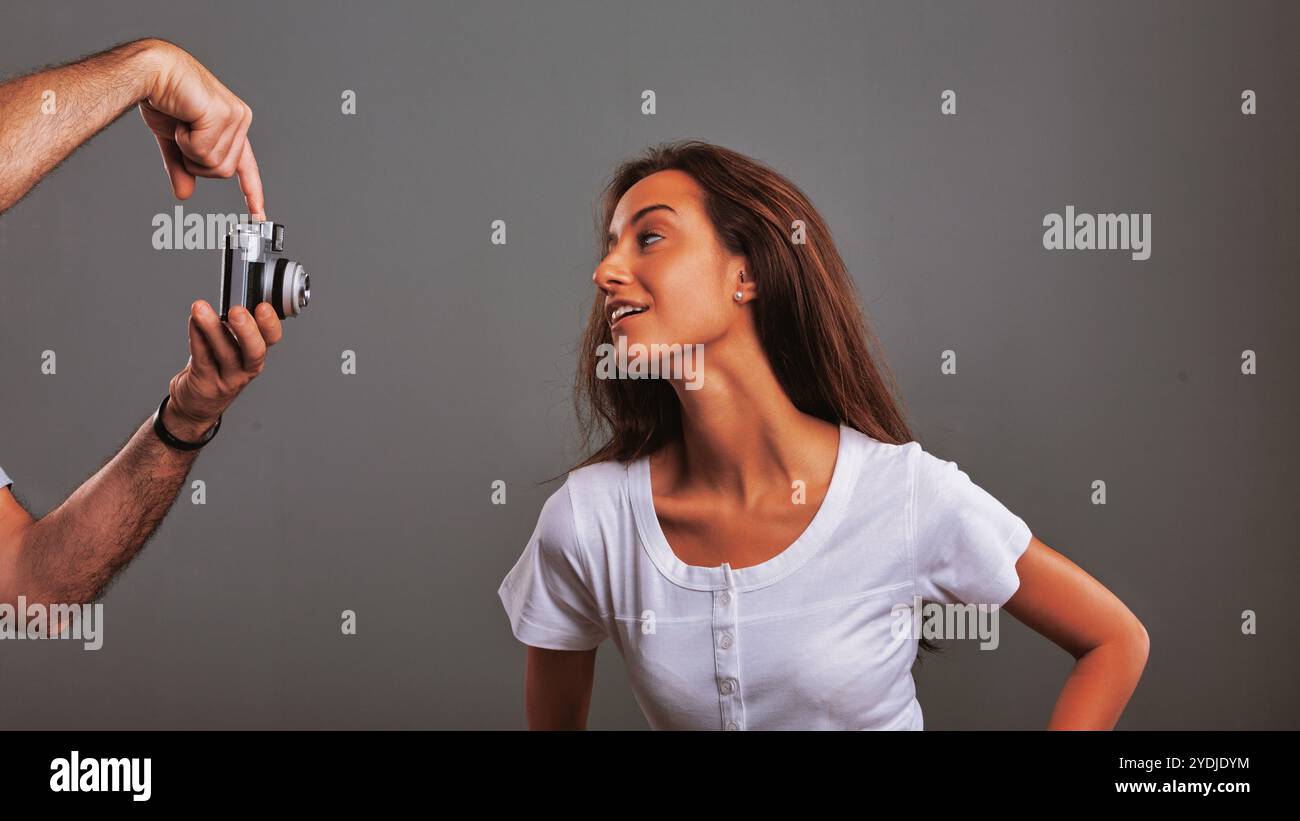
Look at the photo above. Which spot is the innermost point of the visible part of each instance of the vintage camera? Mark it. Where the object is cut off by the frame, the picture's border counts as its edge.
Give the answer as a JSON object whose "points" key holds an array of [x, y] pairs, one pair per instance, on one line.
{"points": [[253, 270]]}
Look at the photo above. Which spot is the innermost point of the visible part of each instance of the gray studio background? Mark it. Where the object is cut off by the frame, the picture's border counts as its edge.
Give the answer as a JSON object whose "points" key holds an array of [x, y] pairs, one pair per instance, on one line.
{"points": [[371, 492]]}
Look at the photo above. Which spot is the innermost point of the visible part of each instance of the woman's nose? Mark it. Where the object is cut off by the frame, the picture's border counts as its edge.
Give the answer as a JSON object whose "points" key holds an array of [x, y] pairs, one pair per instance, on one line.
{"points": [[609, 274]]}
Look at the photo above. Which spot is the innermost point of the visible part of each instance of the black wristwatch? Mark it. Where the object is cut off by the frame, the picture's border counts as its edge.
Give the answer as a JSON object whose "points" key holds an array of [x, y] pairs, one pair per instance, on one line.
{"points": [[179, 444]]}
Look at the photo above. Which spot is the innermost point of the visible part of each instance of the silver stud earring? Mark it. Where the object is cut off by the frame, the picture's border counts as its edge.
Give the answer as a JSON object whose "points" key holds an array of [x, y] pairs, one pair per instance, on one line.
{"points": [[739, 296]]}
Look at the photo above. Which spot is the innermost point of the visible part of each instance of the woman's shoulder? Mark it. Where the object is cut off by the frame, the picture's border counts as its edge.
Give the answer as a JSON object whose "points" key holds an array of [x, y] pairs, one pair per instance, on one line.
{"points": [[598, 484], [874, 454], [906, 465], [586, 490], [583, 518], [608, 473]]}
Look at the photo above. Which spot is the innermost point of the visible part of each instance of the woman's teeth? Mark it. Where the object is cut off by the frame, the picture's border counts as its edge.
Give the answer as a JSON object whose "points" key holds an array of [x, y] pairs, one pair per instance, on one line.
{"points": [[623, 310]]}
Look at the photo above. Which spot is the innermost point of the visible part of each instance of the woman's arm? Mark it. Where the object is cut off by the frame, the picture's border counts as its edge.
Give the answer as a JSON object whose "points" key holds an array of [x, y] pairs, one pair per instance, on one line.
{"points": [[1065, 604], [557, 688]]}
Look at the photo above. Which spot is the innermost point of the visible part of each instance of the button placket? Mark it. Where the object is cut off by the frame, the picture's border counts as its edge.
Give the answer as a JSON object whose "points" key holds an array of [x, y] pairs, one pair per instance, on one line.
{"points": [[726, 653]]}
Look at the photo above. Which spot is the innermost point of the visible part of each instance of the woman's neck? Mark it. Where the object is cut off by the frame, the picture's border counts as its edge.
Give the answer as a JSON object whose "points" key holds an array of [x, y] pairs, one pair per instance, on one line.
{"points": [[741, 434]]}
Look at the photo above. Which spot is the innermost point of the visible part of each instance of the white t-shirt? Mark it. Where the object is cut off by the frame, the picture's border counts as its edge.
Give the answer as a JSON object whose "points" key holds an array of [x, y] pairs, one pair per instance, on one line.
{"points": [[801, 641], [5, 481]]}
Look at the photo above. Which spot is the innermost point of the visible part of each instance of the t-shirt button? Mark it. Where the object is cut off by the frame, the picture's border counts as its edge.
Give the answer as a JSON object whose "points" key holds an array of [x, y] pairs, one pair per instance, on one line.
{"points": [[725, 598], [728, 686], [725, 641], [731, 725]]}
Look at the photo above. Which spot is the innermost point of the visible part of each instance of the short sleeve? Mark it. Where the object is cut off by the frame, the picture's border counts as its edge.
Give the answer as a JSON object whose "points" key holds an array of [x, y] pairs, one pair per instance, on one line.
{"points": [[547, 594], [966, 542], [5, 481]]}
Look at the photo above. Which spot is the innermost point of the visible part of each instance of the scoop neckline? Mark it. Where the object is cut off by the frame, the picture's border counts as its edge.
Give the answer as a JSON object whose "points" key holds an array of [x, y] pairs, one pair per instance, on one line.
{"points": [[723, 576]]}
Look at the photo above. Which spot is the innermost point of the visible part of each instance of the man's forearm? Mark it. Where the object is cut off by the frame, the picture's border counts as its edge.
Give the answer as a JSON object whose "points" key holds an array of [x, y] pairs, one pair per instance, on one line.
{"points": [[37, 131], [69, 555]]}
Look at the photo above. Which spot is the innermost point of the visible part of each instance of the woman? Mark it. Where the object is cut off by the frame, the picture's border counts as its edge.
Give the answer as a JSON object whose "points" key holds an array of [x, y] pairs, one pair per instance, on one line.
{"points": [[749, 544]]}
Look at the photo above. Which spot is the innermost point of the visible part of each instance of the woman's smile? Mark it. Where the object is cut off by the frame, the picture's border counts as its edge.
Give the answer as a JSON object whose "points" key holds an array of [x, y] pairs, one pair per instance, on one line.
{"points": [[619, 310]]}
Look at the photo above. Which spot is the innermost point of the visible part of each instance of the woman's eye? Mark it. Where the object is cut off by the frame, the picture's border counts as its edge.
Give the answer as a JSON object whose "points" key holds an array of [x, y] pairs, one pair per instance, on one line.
{"points": [[642, 236]]}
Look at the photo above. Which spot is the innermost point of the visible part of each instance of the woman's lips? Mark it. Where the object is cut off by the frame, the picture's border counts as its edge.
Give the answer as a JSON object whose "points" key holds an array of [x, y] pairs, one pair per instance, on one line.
{"points": [[626, 317]]}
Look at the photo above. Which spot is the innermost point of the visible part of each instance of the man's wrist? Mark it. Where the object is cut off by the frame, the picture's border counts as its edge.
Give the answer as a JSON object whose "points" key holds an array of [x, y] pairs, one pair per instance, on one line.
{"points": [[184, 427], [149, 59]]}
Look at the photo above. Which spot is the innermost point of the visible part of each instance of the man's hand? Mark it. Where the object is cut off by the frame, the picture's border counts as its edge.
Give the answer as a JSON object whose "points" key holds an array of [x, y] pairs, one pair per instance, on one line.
{"points": [[73, 552], [201, 127], [70, 554], [222, 362]]}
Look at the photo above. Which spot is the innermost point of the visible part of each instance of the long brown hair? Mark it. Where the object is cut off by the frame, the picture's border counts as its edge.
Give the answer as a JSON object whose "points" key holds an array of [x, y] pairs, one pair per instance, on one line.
{"points": [[808, 317]]}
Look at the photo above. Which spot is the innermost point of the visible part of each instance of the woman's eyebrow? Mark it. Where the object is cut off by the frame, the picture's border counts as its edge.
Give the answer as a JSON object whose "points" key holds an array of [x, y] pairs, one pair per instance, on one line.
{"points": [[610, 238]]}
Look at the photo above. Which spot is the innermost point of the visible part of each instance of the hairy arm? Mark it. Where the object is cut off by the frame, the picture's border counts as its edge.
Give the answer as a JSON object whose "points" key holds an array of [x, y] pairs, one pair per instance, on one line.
{"points": [[39, 130], [69, 555], [200, 126]]}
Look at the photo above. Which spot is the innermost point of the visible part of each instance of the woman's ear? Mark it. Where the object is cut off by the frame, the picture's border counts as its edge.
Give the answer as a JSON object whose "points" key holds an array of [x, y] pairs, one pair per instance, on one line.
{"points": [[746, 287]]}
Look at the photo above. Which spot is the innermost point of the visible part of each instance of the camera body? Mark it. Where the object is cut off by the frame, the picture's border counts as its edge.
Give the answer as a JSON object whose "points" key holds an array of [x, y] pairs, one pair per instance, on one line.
{"points": [[254, 269]]}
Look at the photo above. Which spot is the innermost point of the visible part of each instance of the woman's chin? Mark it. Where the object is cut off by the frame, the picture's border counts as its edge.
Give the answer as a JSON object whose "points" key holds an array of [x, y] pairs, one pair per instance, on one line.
{"points": [[630, 338], [627, 334], [637, 331]]}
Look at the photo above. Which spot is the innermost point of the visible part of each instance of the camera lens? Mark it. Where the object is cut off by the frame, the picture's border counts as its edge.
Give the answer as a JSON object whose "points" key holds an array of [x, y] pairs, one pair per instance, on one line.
{"points": [[290, 289]]}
